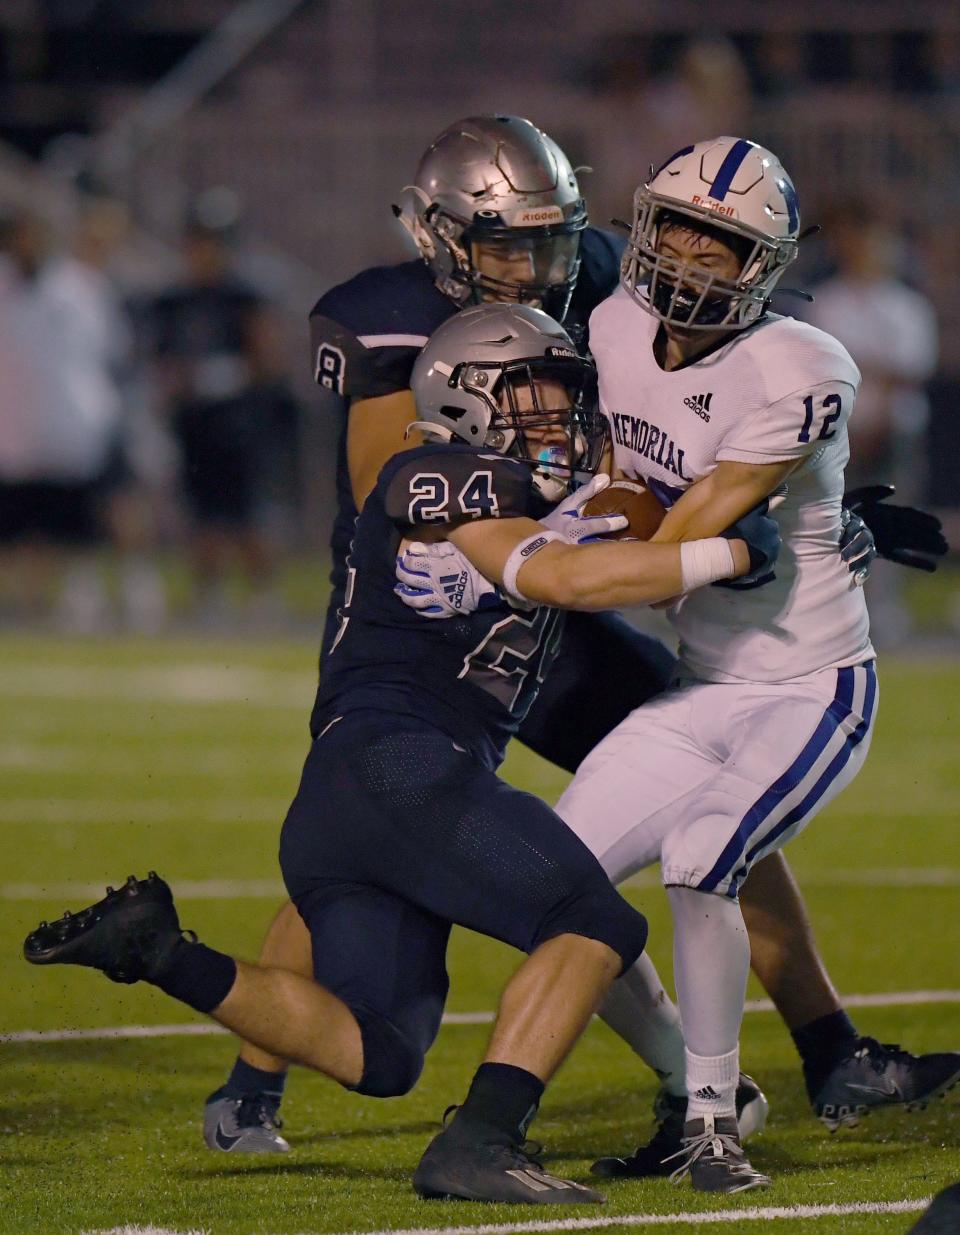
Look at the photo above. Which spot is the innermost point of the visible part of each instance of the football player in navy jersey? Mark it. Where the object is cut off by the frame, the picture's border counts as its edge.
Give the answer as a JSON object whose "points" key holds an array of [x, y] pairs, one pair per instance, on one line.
{"points": [[400, 826], [496, 213]]}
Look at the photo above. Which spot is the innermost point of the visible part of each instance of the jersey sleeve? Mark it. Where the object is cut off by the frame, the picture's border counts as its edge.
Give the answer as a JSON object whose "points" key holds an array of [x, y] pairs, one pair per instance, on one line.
{"points": [[361, 366], [792, 428], [449, 485]]}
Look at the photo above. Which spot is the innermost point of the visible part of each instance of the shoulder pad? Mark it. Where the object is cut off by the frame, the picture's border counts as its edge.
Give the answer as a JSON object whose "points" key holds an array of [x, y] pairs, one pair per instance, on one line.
{"points": [[449, 483], [367, 333]]}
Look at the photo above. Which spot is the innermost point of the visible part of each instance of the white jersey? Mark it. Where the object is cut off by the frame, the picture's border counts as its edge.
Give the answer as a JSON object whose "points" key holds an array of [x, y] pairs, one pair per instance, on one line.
{"points": [[780, 390]]}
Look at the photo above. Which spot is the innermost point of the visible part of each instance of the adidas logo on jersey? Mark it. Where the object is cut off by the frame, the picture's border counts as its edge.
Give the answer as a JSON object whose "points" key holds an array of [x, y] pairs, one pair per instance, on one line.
{"points": [[701, 405]]}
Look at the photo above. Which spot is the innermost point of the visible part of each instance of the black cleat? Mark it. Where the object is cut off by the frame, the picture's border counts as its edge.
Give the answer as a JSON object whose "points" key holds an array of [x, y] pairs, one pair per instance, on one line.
{"points": [[670, 1113], [942, 1217], [714, 1159], [465, 1163], [129, 935], [876, 1074]]}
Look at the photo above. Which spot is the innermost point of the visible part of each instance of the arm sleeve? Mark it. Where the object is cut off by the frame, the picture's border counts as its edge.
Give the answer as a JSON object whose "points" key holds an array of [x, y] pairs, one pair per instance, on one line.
{"points": [[445, 485], [792, 428]]}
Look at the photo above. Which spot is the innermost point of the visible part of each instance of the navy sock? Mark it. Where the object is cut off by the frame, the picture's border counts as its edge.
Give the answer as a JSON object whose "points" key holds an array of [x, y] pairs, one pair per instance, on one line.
{"points": [[246, 1079], [503, 1097], [198, 976], [822, 1044]]}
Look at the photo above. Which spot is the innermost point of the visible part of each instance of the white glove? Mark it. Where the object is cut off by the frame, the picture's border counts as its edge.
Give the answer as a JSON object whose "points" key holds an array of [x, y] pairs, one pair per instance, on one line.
{"points": [[575, 527], [439, 582]]}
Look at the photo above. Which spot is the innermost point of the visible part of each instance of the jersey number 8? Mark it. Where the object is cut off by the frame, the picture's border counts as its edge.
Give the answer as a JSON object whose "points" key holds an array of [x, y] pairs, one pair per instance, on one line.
{"points": [[329, 372]]}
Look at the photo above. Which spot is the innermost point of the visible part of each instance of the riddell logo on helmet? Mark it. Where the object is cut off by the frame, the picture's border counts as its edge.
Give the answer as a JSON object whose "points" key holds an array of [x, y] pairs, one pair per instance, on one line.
{"points": [[709, 204], [543, 214]]}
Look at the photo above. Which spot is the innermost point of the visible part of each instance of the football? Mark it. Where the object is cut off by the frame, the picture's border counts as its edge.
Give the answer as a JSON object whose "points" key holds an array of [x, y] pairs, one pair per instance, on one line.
{"points": [[630, 498]]}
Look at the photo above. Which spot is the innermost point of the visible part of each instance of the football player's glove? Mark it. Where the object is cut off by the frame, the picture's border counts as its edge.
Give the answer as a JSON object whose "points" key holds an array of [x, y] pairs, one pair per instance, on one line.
{"points": [[576, 527], [857, 546], [902, 533], [439, 582], [762, 537]]}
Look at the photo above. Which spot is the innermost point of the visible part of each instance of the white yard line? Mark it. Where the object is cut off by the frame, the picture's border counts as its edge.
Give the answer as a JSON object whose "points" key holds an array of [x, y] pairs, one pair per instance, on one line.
{"points": [[790, 1213], [882, 999], [186, 684], [227, 889], [615, 1221]]}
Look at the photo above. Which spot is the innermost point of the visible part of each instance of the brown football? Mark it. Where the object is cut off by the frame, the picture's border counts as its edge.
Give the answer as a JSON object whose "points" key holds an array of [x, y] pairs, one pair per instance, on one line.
{"points": [[630, 498]]}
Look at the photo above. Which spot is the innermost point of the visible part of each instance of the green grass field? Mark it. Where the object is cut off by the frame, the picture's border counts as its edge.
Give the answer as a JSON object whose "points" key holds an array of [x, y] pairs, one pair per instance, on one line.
{"points": [[182, 756]]}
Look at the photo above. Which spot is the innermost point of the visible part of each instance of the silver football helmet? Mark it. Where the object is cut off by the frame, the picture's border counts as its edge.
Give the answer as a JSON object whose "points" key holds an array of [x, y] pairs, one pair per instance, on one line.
{"points": [[507, 377], [496, 213], [739, 191]]}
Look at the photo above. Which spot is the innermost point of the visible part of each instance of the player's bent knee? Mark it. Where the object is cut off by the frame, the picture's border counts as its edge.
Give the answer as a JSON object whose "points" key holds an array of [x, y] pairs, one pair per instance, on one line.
{"points": [[599, 912], [392, 1060]]}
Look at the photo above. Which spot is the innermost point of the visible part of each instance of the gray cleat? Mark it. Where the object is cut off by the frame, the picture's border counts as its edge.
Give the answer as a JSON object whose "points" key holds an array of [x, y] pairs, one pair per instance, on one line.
{"points": [[670, 1114], [714, 1159], [881, 1074], [477, 1164], [247, 1125]]}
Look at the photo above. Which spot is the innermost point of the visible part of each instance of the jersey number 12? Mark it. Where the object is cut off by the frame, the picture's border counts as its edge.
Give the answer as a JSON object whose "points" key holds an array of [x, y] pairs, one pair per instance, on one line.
{"points": [[825, 430]]}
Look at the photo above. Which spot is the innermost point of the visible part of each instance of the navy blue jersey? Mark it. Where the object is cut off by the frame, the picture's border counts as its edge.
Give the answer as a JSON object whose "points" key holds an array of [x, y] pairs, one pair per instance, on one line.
{"points": [[474, 677], [367, 333]]}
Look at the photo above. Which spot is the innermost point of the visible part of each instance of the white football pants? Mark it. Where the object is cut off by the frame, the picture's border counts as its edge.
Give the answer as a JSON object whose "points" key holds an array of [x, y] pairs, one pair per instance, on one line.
{"points": [[710, 777]]}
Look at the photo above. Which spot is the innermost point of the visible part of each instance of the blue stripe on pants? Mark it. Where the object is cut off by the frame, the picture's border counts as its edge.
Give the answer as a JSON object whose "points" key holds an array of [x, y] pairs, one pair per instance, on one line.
{"points": [[826, 778], [833, 718]]}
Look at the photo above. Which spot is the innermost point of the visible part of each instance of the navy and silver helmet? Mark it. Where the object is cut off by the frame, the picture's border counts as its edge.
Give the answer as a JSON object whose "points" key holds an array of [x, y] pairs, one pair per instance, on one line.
{"points": [[496, 212], [498, 376]]}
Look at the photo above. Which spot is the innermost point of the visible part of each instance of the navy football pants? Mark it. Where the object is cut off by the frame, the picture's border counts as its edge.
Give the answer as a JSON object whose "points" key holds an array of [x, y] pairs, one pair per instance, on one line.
{"points": [[394, 834]]}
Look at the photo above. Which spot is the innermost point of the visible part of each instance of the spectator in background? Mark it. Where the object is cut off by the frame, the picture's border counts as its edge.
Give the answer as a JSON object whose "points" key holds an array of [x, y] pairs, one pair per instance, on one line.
{"points": [[64, 342], [890, 330], [218, 366], [96, 358]]}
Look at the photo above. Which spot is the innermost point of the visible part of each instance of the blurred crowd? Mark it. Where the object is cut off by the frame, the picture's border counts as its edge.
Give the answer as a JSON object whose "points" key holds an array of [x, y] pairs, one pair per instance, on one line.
{"points": [[137, 427], [151, 446]]}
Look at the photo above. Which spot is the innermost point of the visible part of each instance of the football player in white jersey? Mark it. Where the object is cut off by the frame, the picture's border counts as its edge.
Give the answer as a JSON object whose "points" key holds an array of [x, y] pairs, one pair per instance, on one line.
{"points": [[718, 404], [772, 711]]}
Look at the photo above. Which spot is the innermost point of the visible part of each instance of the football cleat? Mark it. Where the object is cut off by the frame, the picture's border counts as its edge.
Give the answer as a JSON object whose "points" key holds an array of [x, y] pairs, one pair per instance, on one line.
{"points": [[877, 1074], [942, 1216], [129, 935], [713, 1157], [670, 1113], [247, 1125], [464, 1163]]}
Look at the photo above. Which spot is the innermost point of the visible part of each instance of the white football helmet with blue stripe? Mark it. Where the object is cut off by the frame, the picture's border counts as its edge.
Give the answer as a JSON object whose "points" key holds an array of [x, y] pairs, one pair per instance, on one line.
{"points": [[740, 191]]}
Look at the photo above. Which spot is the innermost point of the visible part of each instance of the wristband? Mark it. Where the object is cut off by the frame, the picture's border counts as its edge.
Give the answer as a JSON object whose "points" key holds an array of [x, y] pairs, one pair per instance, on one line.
{"points": [[705, 561], [522, 553]]}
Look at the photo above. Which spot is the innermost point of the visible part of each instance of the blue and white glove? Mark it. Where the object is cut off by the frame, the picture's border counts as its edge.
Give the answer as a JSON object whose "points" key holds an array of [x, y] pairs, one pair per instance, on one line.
{"points": [[439, 582], [576, 527]]}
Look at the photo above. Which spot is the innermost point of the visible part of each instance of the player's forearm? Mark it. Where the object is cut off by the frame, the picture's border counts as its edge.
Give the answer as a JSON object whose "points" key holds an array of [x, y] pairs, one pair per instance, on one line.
{"points": [[720, 499], [612, 575], [376, 431], [602, 575]]}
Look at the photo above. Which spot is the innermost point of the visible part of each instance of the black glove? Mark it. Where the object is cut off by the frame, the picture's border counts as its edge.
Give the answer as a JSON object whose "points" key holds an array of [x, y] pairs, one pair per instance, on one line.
{"points": [[762, 537], [903, 534]]}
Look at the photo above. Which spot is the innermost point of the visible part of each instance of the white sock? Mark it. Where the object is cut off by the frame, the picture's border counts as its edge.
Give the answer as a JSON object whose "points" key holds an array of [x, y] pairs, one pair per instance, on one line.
{"points": [[639, 1009], [712, 1084], [711, 963]]}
